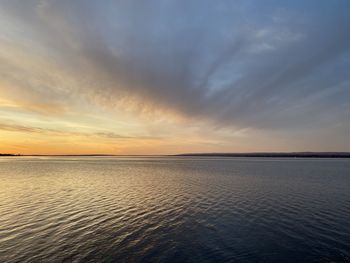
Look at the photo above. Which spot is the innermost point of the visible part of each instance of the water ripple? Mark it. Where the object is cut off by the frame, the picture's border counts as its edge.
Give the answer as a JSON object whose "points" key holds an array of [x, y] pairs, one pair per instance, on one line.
{"points": [[174, 210]]}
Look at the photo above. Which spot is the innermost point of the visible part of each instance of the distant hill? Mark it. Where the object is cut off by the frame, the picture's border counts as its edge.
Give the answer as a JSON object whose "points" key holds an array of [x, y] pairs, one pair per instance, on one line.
{"points": [[274, 154], [8, 154]]}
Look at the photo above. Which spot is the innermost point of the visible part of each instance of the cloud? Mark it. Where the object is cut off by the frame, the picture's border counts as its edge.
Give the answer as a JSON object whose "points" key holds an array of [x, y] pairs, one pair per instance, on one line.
{"points": [[20, 128], [14, 127], [269, 65]]}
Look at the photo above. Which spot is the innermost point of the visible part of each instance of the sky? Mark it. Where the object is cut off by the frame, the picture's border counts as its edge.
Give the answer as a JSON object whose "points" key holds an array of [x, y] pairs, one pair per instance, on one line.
{"points": [[174, 76]]}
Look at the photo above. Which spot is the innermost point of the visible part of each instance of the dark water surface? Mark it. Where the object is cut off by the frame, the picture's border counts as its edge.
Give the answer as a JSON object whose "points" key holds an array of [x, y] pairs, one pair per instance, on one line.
{"points": [[180, 209]]}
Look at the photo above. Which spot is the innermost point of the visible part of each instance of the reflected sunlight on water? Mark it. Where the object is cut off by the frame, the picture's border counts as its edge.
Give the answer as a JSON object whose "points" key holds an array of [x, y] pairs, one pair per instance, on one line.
{"points": [[103, 209]]}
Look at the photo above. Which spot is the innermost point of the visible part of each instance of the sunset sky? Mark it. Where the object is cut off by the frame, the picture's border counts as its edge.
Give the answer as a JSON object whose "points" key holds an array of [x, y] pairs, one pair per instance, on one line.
{"points": [[164, 77]]}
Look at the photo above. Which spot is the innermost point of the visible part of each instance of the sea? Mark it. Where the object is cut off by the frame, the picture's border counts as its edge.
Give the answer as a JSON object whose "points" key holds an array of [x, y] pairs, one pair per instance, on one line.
{"points": [[174, 209]]}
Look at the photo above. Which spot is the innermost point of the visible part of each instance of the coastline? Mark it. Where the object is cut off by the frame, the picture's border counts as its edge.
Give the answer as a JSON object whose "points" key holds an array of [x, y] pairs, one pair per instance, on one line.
{"points": [[248, 154]]}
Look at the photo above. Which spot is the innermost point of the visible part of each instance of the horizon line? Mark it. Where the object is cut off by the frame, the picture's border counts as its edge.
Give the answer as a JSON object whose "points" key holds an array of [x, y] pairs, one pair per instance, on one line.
{"points": [[341, 154]]}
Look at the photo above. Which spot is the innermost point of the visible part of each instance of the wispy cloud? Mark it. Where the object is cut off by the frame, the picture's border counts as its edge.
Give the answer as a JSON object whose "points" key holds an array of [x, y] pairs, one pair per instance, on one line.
{"points": [[58, 132]]}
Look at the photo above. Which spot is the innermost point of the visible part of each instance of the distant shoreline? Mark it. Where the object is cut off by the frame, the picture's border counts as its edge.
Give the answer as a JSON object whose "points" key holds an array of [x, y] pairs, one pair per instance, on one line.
{"points": [[252, 154], [274, 154]]}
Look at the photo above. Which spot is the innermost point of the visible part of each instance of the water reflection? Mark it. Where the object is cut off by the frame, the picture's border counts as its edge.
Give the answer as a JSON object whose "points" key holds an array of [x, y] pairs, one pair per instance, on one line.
{"points": [[174, 210]]}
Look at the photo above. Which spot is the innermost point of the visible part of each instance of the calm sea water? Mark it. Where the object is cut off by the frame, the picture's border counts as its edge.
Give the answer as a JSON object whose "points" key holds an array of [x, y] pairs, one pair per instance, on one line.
{"points": [[174, 210]]}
